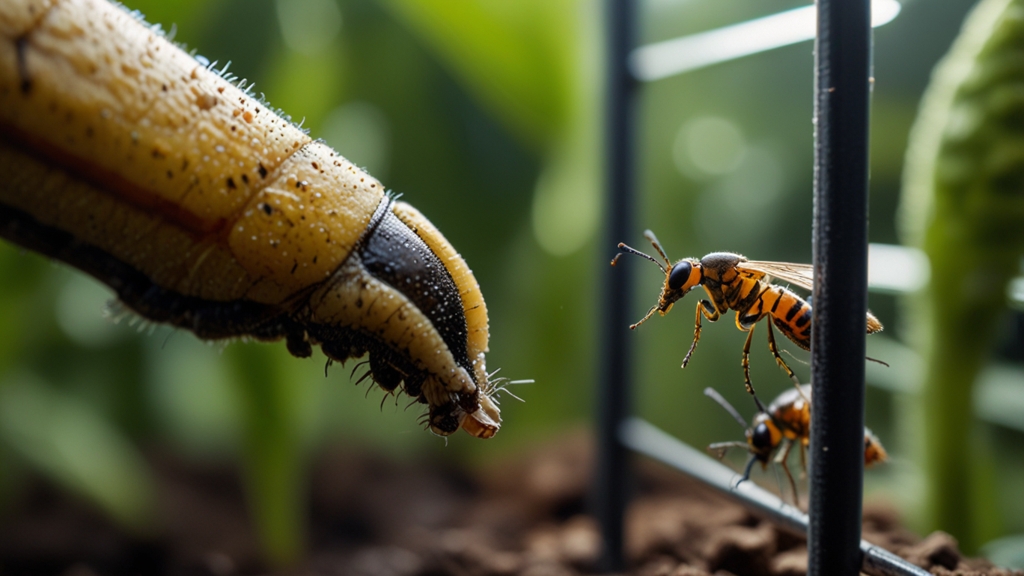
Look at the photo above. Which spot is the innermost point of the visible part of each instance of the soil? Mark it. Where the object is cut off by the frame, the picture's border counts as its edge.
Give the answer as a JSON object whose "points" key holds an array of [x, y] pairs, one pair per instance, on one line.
{"points": [[369, 516]]}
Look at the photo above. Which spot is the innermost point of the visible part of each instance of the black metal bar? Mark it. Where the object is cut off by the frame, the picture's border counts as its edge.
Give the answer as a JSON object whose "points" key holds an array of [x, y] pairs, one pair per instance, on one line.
{"points": [[646, 439], [611, 489], [842, 60]]}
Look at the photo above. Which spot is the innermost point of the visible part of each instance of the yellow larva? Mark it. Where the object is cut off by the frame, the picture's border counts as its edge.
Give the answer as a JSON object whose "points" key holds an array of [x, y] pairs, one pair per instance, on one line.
{"points": [[125, 157]]}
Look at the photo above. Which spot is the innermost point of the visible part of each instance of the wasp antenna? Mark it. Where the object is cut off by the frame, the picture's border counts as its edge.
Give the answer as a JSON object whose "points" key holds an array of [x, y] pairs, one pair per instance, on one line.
{"points": [[644, 319], [760, 406], [886, 364], [746, 470], [630, 250], [714, 395], [649, 234]]}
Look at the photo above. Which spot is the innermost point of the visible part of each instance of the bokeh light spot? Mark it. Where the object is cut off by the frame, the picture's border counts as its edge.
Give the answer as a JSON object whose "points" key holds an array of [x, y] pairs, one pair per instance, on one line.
{"points": [[743, 208], [360, 132], [80, 312], [308, 26], [565, 208], [708, 146]]}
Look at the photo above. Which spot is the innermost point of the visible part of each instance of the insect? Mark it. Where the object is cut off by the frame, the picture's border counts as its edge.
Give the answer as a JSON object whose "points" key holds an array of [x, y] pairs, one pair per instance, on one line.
{"points": [[786, 420], [145, 167], [734, 283]]}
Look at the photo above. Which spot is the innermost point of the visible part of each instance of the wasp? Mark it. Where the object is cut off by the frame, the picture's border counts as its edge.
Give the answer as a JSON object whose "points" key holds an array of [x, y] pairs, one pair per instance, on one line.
{"points": [[734, 283], [787, 420]]}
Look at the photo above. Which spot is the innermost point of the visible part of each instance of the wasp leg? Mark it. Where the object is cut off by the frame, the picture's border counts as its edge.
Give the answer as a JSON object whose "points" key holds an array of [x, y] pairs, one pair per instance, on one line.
{"points": [[718, 449], [746, 362], [782, 363], [708, 310], [803, 460], [782, 459]]}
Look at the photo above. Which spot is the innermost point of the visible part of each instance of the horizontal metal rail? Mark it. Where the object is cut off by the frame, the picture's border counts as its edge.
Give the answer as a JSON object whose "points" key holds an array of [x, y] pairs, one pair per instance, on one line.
{"points": [[644, 438]]}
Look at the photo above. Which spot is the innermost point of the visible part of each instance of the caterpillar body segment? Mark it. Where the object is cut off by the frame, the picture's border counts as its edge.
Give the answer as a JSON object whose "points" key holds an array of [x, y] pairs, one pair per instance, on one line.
{"points": [[125, 157]]}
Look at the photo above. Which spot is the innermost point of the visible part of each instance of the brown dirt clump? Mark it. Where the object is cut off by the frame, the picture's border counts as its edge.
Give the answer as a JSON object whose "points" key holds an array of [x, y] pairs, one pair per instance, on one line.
{"points": [[369, 516]]}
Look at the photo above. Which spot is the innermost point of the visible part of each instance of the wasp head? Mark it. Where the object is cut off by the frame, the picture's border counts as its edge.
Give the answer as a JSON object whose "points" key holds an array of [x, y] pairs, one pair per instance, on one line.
{"points": [[680, 277], [763, 438]]}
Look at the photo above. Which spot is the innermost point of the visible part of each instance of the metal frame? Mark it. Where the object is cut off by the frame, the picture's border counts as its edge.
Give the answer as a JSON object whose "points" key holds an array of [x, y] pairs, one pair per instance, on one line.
{"points": [[842, 69], [652, 442], [610, 494], [841, 110]]}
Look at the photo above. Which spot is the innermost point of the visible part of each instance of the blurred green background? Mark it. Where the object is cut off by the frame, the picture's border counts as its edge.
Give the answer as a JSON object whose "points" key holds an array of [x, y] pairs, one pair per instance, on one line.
{"points": [[486, 117]]}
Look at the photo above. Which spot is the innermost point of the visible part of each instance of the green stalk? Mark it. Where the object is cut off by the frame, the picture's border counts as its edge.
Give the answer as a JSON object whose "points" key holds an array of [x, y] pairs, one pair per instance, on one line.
{"points": [[963, 204], [964, 305], [273, 461]]}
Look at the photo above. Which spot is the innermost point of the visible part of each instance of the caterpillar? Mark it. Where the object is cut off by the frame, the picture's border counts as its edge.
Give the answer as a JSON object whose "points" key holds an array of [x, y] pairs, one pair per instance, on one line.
{"points": [[129, 159]]}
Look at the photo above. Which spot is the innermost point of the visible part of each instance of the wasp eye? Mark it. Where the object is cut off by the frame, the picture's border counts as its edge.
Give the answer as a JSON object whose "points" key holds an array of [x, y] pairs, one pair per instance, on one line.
{"points": [[679, 275], [761, 439]]}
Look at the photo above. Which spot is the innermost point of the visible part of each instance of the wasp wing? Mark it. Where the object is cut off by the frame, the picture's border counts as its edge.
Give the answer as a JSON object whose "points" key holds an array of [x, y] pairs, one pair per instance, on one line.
{"points": [[800, 274]]}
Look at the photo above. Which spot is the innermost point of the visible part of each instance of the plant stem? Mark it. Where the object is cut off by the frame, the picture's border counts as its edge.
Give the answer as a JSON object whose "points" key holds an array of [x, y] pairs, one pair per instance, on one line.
{"points": [[273, 463]]}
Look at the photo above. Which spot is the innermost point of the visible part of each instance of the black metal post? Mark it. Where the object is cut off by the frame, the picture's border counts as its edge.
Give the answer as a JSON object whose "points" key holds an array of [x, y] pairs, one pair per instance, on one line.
{"points": [[610, 492], [842, 86]]}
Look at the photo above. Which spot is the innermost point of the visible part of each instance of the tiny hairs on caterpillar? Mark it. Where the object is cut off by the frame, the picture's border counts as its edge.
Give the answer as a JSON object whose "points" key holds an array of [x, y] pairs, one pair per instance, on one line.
{"points": [[133, 161]]}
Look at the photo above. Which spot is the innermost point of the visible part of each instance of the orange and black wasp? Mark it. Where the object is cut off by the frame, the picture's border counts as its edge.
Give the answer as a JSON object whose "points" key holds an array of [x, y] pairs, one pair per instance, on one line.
{"points": [[786, 420], [734, 283]]}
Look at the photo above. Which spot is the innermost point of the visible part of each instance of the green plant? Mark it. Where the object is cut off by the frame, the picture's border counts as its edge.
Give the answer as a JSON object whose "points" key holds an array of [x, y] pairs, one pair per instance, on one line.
{"points": [[963, 203]]}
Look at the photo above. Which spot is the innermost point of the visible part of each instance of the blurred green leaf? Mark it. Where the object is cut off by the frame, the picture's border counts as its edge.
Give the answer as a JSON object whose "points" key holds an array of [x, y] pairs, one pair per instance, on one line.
{"points": [[962, 205], [182, 16], [76, 447], [274, 462], [519, 58], [999, 396], [304, 86], [21, 278]]}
